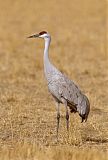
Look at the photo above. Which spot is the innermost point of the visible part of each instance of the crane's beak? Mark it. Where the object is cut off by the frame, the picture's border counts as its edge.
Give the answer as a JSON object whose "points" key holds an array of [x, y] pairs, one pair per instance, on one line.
{"points": [[33, 36]]}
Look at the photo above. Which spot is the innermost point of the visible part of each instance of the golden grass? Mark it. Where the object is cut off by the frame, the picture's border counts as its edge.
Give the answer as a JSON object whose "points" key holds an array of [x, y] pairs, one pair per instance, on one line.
{"points": [[28, 151], [78, 48]]}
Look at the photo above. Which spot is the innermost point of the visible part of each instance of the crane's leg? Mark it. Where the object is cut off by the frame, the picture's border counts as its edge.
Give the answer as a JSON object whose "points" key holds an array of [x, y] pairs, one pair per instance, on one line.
{"points": [[58, 116], [67, 113], [67, 117]]}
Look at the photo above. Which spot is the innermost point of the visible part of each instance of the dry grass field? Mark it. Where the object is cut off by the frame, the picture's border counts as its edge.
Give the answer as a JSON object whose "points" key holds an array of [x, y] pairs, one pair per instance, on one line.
{"points": [[78, 48]]}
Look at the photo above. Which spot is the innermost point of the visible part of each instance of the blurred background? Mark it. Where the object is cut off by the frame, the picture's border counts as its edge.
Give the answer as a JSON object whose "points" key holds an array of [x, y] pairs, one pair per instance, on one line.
{"points": [[78, 30]]}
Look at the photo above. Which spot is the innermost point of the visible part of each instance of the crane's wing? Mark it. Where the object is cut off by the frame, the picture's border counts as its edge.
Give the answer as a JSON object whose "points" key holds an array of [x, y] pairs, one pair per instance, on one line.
{"points": [[61, 86], [69, 90], [76, 100]]}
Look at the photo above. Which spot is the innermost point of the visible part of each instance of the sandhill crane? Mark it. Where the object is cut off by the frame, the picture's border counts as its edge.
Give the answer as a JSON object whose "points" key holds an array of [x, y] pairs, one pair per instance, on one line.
{"points": [[62, 88]]}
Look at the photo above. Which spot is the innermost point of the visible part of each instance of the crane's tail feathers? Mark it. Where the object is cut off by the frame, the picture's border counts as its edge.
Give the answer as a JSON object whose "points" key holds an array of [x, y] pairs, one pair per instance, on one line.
{"points": [[72, 108], [84, 117]]}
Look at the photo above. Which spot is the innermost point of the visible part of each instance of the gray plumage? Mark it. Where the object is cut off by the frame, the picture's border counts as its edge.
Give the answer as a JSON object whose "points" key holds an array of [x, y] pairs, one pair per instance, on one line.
{"points": [[62, 88]]}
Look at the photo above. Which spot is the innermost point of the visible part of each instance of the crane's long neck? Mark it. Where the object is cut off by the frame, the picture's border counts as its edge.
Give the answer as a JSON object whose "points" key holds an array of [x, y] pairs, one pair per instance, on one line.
{"points": [[47, 64]]}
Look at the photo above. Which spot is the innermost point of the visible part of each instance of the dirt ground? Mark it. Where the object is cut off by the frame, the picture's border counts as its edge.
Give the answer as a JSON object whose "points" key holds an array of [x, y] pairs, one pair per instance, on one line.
{"points": [[79, 49]]}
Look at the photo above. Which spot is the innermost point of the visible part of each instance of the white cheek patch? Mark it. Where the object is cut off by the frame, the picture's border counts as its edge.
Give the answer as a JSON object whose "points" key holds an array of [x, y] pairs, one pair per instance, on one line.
{"points": [[43, 35]]}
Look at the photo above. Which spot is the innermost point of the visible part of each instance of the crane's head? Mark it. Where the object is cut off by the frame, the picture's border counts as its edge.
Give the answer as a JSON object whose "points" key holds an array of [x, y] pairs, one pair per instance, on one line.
{"points": [[42, 34]]}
